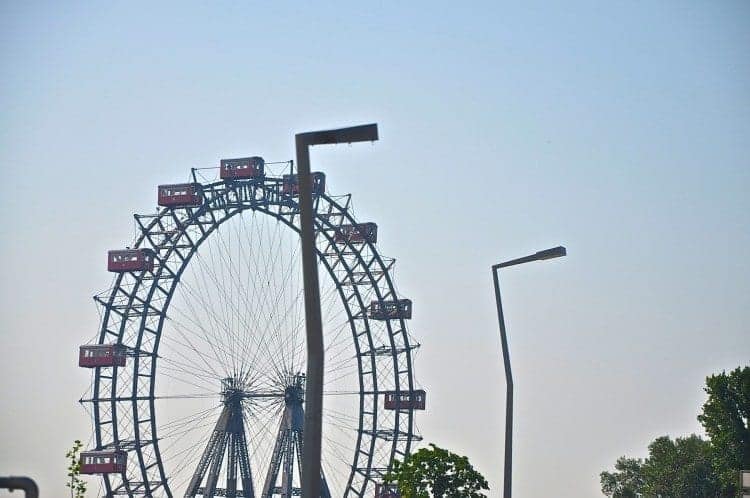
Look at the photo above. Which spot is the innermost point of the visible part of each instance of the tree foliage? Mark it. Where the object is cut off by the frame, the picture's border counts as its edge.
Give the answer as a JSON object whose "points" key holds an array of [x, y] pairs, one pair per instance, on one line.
{"points": [[75, 483], [673, 469], [627, 480], [725, 418], [438, 473], [692, 466], [680, 468]]}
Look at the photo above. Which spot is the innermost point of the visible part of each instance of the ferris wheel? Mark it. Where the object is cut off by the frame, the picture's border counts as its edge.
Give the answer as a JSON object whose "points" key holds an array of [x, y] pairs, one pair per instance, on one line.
{"points": [[198, 369]]}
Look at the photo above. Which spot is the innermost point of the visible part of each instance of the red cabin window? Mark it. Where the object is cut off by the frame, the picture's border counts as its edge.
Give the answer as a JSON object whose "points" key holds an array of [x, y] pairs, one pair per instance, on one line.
{"points": [[123, 260], [181, 195], [290, 185], [386, 310], [101, 355], [356, 234], [246, 167], [103, 462], [387, 491], [399, 400]]}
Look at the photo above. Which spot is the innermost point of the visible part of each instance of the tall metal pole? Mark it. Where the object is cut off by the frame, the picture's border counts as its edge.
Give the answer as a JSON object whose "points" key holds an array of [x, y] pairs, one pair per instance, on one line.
{"points": [[315, 361], [554, 252], [508, 461], [311, 474]]}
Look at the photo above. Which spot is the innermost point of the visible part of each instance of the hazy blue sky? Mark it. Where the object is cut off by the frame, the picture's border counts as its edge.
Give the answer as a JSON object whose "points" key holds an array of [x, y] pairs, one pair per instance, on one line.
{"points": [[618, 129]]}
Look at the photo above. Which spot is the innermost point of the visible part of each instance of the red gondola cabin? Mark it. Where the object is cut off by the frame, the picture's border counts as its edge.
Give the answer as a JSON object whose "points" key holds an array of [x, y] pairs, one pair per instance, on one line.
{"points": [[103, 462], [356, 234], [101, 355], [181, 195], [245, 167], [386, 310], [387, 491], [290, 185], [414, 400], [123, 260]]}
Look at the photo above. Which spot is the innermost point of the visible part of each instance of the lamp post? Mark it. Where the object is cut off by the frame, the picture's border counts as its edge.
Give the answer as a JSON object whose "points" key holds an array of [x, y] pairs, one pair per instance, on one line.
{"points": [[554, 252], [313, 324], [27, 484]]}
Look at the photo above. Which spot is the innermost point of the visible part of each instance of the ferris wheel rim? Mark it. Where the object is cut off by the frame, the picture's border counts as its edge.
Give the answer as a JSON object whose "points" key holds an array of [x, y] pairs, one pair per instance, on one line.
{"points": [[323, 224]]}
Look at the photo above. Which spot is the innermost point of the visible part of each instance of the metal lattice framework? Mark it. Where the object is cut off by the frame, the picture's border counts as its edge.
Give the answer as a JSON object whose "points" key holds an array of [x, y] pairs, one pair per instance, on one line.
{"points": [[136, 313]]}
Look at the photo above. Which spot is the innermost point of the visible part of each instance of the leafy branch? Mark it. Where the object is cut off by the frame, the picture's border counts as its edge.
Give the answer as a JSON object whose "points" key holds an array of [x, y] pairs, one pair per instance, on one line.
{"points": [[76, 484]]}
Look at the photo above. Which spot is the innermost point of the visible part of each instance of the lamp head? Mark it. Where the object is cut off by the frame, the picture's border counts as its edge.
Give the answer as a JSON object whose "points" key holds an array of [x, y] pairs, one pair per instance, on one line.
{"points": [[362, 133], [555, 252]]}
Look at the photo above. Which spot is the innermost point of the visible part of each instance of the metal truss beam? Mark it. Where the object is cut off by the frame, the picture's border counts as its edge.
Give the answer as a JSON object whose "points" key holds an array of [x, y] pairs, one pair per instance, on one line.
{"points": [[228, 438]]}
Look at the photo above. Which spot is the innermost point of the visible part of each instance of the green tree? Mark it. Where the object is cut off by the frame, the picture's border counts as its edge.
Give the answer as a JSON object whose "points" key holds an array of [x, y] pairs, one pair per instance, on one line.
{"points": [[76, 484], [673, 469], [680, 468], [691, 466], [627, 481], [725, 418], [438, 473]]}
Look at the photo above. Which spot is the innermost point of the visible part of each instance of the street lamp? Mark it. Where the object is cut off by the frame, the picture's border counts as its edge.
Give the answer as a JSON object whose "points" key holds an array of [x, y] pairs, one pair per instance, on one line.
{"points": [[555, 252], [313, 323]]}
